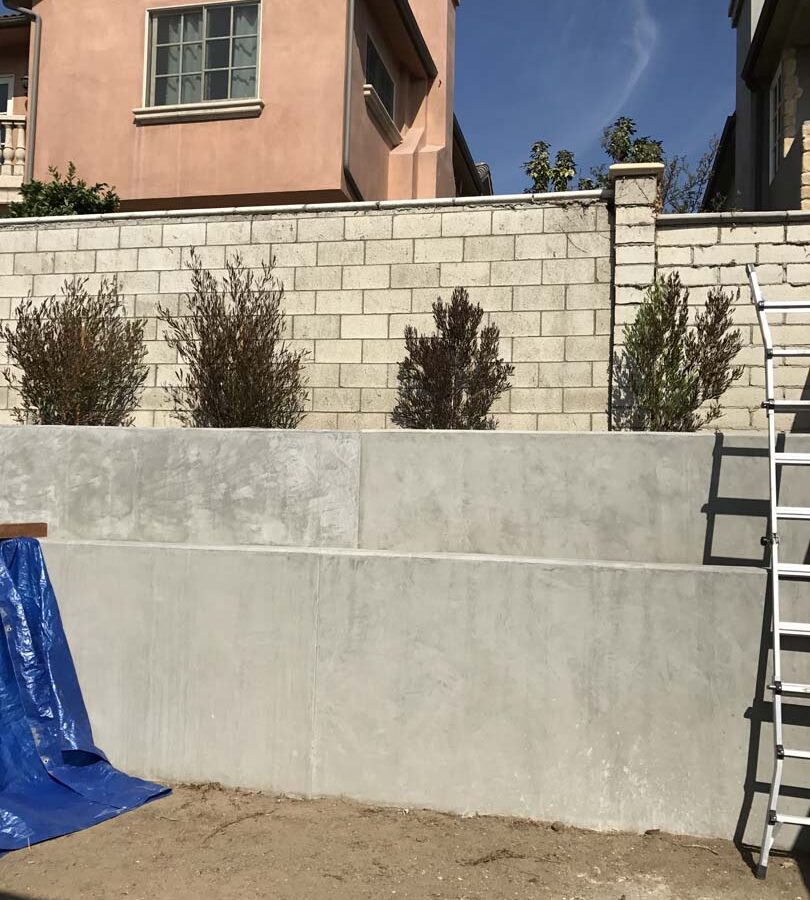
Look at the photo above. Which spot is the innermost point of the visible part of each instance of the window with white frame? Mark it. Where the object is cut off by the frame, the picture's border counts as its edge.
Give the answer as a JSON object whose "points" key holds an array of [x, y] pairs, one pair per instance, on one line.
{"points": [[6, 94], [204, 53], [776, 119]]}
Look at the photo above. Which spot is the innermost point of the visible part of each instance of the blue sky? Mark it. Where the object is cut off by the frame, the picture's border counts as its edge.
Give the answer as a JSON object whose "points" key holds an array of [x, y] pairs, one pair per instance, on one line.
{"points": [[560, 70]]}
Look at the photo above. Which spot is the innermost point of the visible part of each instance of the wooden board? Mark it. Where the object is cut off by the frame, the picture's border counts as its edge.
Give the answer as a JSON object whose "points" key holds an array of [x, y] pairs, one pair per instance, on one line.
{"points": [[23, 529]]}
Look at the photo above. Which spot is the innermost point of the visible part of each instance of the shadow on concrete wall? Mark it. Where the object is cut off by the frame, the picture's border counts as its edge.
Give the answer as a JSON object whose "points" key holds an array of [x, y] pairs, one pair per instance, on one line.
{"points": [[732, 506], [801, 421], [760, 712]]}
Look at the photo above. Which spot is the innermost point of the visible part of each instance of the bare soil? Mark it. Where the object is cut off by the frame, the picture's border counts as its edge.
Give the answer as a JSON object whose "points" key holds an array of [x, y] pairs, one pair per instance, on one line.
{"points": [[207, 843]]}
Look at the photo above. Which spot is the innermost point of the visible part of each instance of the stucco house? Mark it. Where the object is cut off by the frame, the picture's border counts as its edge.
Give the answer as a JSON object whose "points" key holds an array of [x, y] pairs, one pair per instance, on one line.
{"points": [[763, 162], [242, 102]]}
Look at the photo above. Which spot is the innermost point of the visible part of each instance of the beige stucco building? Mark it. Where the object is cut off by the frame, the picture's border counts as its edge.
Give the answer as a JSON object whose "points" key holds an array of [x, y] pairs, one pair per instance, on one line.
{"points": [[189, 104], [763, 162]]}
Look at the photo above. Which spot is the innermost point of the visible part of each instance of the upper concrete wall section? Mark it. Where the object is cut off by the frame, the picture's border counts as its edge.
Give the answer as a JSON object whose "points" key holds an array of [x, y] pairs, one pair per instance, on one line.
{"points": [[197, 486], [631, 497]]}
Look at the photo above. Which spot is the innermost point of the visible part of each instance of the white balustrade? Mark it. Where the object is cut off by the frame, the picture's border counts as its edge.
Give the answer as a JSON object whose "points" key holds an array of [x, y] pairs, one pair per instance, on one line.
{"points": [[12, 146]]}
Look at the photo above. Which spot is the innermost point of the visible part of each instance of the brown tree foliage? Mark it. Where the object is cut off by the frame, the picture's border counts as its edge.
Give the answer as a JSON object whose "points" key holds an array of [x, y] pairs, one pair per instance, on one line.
{"points": [[450, 379], [78, 360], [240, 372]]}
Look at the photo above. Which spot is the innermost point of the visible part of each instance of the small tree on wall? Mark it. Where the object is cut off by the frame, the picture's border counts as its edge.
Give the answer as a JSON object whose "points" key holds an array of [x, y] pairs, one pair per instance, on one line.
{"points": [[78, 360], [670, 376], [240, 371], [450, 379]]}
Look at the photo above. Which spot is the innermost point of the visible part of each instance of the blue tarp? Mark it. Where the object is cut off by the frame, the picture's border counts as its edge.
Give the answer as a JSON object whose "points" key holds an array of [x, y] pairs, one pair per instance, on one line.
{"points": [[53, 779]]}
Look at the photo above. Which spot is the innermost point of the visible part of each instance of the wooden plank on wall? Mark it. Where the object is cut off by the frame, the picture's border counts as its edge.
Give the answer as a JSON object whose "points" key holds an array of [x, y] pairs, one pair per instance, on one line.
{"points": [[23, 529]]}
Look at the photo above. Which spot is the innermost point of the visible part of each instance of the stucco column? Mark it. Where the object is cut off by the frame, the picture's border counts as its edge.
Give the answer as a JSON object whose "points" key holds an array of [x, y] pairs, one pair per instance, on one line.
{"points": [[637, 188]]}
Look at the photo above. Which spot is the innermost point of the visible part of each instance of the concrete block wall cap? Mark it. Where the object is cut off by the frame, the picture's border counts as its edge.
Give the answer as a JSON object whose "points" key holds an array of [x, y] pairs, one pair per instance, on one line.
{"points": [[635, 170], [763, 217], [364, 206]]}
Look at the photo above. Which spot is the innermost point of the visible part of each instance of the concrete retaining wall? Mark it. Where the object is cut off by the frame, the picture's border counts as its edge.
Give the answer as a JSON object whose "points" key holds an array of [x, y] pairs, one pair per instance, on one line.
{"points": [[644, 497], [602, 695]]}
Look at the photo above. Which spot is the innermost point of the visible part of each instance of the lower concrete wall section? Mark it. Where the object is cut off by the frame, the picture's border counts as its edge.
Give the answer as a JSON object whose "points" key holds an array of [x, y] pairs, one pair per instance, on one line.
{"points": [[603, 695]]}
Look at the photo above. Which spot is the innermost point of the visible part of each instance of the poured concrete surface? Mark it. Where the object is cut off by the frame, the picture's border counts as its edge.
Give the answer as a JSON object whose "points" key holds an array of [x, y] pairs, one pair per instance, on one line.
{"points": [[631, 497], [599, 694], [199, 485]]}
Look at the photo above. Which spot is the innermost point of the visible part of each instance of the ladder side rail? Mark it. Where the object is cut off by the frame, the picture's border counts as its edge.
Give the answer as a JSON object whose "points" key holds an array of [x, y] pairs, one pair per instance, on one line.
{"points": [[764, 327], [771, 824]]}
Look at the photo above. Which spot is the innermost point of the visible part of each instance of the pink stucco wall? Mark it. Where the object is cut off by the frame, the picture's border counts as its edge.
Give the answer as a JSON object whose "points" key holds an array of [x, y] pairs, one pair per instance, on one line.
{"points": [[93, 78], [87, 99], [437, 20]]}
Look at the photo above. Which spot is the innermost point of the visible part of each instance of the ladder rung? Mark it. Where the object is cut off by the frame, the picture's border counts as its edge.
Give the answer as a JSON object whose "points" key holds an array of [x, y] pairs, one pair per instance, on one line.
{"points": [[796, 754], [784, 305], [792, 512], [787, 405], [797, 629], [792, 459], [788, 688], [790, 351], [793, 570], [782, 819]]}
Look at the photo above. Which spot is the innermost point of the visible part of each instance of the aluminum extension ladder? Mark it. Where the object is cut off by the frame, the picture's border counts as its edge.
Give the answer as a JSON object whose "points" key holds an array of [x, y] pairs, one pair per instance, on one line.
{"points": [[780, 570]]}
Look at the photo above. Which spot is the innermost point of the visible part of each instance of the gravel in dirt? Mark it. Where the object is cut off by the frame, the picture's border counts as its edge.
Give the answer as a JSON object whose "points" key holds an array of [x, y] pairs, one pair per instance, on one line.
{"points": [[207, 843]]}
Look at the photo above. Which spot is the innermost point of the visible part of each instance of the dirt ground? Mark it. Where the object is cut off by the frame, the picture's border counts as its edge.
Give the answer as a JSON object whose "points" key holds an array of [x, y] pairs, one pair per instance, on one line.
{"points": [[207, 843]]}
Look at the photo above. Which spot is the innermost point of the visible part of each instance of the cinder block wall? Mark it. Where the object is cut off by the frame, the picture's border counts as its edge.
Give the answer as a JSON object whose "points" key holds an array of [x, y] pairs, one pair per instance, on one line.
{"points": [[561, 275], [354, 278], [710, 251]]}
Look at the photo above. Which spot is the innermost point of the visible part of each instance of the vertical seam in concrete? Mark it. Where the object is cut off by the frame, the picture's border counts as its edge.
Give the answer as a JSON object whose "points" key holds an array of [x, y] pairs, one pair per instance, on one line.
{"points": [[360, 461], [611, 366], [313, 734]]}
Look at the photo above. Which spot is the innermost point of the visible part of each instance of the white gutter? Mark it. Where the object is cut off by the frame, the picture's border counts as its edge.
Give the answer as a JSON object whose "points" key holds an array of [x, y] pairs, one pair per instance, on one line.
{"points": [[509, 200], [347, 102]]}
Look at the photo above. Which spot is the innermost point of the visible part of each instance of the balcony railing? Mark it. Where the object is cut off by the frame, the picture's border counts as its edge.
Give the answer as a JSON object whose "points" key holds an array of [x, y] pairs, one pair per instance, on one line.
{"points": [[12, 150]]}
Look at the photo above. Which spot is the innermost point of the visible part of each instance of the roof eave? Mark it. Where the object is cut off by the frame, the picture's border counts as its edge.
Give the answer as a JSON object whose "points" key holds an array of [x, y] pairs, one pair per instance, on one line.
{"points": [[469, 162], [417, 38], [758, 41]]}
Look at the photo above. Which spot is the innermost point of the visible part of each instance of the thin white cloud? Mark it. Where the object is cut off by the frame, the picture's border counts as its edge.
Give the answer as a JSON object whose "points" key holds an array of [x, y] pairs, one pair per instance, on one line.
{"points": [[638, 49], [642, 40]]}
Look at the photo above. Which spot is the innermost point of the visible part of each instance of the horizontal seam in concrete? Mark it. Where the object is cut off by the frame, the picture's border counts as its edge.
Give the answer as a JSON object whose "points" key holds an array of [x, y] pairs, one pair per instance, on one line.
{"points": [[393, 205], [416, 555]]}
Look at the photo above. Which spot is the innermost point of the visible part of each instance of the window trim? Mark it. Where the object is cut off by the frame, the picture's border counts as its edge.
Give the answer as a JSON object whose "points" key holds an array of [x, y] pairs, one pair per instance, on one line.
{"points": [[370, 42], [381, 116], [240, 107], [776, 124], [10, 80]]}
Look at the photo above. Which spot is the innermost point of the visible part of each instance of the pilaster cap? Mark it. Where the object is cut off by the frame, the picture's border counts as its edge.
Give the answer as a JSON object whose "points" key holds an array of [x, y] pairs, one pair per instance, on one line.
{"points": [[635, 170]]}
